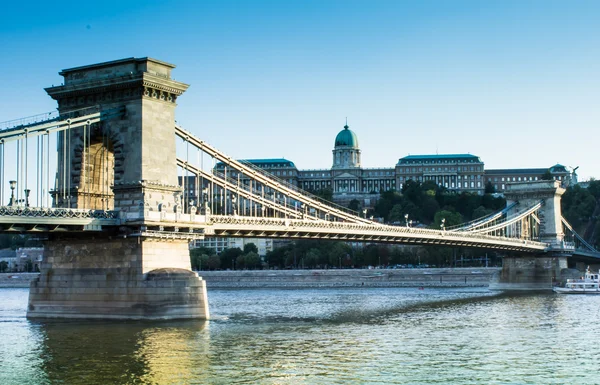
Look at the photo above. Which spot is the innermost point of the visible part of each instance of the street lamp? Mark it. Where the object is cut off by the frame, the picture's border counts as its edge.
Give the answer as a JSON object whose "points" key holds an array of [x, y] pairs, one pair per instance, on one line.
{"points": [[13, 185], [365, 213], [406, 219], [27, 191], [443, 224]]}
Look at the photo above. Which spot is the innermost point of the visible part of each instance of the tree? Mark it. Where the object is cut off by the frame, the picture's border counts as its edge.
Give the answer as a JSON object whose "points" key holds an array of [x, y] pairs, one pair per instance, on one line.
{"points": [[354, 205], [252, 260], [338, 253], [214, 262], [312, 257], [547, 175], [276, 257], [489, 188], [198, 261], [250, 248], [594, 188], [325, 193], [398, 212], [3, 266], [452, 219], [228, 256], [481, 211]]}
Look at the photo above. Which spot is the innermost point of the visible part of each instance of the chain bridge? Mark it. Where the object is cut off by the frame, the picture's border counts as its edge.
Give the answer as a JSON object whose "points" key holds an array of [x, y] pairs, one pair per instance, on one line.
{"points": [[116, 190]]}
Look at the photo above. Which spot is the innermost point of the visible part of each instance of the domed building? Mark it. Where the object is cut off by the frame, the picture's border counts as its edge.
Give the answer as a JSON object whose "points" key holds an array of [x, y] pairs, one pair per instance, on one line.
{"points": [[346, 178], [346, 153]]}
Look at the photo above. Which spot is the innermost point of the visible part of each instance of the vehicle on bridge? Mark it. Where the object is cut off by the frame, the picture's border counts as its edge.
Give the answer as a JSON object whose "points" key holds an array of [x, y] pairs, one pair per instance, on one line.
{"points": [[588, 284]]}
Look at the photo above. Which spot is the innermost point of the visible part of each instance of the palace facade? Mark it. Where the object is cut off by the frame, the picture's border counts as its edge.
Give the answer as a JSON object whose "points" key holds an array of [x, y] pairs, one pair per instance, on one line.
{"points": [[348, 180]]}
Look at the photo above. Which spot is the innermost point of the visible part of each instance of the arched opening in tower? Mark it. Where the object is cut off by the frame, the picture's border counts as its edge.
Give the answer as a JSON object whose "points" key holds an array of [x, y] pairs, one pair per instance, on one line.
{"points": [[98, 174]]}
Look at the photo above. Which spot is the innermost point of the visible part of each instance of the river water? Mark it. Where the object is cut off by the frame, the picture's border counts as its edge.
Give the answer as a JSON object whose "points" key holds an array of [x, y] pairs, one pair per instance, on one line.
{"points": [[318, 336]]}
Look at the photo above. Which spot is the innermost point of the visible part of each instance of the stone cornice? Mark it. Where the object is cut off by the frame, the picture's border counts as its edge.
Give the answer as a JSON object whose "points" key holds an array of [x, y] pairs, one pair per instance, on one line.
{"points": [[142, 81], [145, 184]]}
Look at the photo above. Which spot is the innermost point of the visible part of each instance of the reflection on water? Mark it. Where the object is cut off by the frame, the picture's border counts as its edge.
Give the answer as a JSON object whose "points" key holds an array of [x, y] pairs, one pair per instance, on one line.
{"points": [[395, 335], [115, 353]]}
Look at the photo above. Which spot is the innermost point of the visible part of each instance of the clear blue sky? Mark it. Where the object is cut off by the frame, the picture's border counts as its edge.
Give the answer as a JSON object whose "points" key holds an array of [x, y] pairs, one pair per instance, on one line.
{"points": [[514, 82]]}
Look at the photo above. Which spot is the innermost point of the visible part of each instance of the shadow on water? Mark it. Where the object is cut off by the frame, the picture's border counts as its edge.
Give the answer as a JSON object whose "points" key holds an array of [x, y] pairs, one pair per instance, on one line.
{"points": [[339, 306], [95, 352]]}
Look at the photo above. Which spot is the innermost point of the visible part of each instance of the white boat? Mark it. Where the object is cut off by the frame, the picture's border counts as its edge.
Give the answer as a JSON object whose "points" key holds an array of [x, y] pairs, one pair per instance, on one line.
{"points": [[588, 284]]}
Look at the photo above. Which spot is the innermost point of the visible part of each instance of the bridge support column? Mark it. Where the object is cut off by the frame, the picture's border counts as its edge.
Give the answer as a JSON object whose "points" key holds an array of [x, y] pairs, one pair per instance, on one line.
{"points": [[117, 278], [530, 272]]}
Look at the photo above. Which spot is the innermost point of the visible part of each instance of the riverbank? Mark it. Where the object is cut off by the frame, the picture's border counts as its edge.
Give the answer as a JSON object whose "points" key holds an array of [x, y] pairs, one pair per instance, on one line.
{"points": [[443, 277]]}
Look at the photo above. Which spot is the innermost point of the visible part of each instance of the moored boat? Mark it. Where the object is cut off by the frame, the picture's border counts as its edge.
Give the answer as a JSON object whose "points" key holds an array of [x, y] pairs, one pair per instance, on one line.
{"points": [[588, 284]]}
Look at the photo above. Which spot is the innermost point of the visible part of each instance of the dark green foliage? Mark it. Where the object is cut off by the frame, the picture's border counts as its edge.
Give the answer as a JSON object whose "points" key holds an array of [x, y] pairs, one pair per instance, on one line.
{"points": [[354, 205], [229, 256], [594, 188], [489, 188], [15, 241], [547, 175], [578, 205], [250, 248], [422, 202], [326, 193]]}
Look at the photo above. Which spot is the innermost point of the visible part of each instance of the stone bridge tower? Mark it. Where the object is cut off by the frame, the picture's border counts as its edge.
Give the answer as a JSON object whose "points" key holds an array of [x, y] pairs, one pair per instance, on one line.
{"points": [[126, 164], [534, 272]]}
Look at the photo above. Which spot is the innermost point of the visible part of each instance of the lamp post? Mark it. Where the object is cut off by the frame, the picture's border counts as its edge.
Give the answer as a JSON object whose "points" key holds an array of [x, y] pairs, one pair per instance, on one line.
{"points": [[27, 191], [205, 199], [13, 185], [406, 219], [365, 213], [443, 224], [233, 205]]}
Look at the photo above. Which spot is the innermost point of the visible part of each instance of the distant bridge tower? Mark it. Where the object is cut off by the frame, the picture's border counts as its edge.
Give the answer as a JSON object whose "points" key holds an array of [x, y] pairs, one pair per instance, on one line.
{"points": [[537, 271], [129, 165]]}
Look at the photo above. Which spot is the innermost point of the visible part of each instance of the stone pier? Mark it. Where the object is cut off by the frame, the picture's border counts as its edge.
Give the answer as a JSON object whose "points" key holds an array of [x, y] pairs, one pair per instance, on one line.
{"points": [[117, 278], [536, 272]]}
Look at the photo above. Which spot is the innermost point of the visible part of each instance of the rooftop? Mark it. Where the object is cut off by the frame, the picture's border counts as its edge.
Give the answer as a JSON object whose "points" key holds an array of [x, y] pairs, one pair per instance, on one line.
{"points": [[439, 157], [278, 161]]}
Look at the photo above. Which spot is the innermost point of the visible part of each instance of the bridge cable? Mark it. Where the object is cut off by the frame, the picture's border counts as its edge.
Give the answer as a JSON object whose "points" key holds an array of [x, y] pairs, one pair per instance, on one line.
{"points": [[47, 169], [2, 172]]}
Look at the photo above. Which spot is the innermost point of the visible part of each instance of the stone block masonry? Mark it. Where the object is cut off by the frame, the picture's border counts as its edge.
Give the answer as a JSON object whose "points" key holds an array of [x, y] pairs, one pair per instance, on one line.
{"points": [[117, 278]]}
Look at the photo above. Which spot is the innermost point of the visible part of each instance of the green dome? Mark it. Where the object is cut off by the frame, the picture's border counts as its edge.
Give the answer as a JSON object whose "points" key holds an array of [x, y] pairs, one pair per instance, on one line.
{"points": [[346, 137]]}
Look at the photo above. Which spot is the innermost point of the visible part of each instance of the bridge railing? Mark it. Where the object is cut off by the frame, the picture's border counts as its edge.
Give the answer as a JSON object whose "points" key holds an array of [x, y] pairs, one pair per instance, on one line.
{"points": [[46, 212], [361, 228]]}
